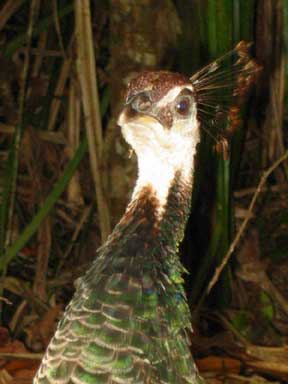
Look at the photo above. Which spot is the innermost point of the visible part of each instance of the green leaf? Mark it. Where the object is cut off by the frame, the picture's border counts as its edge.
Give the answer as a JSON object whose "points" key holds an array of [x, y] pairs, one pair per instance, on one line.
{"points": [[58, 189], [267, 307]]}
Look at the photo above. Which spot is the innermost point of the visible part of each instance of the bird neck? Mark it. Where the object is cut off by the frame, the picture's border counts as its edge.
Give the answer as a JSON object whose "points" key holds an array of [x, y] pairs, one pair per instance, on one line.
{"points": [[160, 202], [160, 168], [174, 218]]}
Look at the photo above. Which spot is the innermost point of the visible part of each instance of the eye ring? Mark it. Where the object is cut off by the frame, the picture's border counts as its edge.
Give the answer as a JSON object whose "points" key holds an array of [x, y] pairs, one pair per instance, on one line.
{"points": [[141, 102], [183, 105]]}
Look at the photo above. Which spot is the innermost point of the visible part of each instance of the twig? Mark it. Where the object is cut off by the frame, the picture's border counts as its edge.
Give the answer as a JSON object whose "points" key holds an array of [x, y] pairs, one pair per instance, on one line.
{"points": [[59, 90], [243, 226], [249, 191], [44, 237], [6, 301], [30, 356], [58, 26], [81, 222], [53, 137], [7, 10]]}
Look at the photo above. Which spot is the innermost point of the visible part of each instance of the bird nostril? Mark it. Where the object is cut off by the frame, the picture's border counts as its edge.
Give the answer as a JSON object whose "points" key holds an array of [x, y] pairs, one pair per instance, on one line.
{"points": [[165, 116]]}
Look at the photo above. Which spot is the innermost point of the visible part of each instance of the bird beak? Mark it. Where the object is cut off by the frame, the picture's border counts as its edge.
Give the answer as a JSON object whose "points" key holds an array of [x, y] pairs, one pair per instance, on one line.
{"points": [[128, 116]]}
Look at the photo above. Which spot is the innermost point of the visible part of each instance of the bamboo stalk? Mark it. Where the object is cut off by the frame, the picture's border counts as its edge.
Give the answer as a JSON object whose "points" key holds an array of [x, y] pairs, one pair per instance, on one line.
{"points": [[86, 66], [14, 151]]}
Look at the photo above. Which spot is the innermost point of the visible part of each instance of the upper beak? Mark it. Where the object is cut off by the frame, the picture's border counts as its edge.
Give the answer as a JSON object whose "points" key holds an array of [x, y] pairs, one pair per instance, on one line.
{"points": [[128, 115]]}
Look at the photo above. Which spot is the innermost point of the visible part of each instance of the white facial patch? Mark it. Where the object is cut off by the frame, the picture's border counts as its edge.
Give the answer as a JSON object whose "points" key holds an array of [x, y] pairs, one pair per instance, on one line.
{"points": [[172, 94], [161, 153]]}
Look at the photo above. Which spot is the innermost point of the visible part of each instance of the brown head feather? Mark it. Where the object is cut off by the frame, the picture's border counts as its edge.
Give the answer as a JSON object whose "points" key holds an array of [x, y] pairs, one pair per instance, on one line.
{"points": [[158, 83]]}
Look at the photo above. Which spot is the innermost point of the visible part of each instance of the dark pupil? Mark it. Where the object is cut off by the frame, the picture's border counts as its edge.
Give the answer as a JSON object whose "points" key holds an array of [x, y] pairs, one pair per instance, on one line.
{"points": [[183, 106]]}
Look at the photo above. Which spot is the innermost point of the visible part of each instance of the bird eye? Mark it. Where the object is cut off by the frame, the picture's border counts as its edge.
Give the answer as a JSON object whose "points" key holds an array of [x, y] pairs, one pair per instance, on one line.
{"points": [[141, 103], [183, 105]]}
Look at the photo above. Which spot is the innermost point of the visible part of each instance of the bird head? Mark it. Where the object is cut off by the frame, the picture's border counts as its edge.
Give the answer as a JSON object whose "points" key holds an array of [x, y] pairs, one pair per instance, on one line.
{"points": [[159, 118]]}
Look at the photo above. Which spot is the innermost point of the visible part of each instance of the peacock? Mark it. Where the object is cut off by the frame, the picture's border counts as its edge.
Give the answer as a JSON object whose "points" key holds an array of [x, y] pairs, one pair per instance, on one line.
{"points": [[129, 321]]}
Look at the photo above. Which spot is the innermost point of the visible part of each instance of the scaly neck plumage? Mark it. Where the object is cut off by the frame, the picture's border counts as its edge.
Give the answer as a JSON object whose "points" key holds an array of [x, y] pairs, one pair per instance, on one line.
{"points": [[158, 214]]}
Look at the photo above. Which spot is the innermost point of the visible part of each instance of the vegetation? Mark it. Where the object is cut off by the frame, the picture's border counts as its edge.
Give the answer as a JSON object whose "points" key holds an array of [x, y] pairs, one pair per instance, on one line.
{"points": [[65, 172]]}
